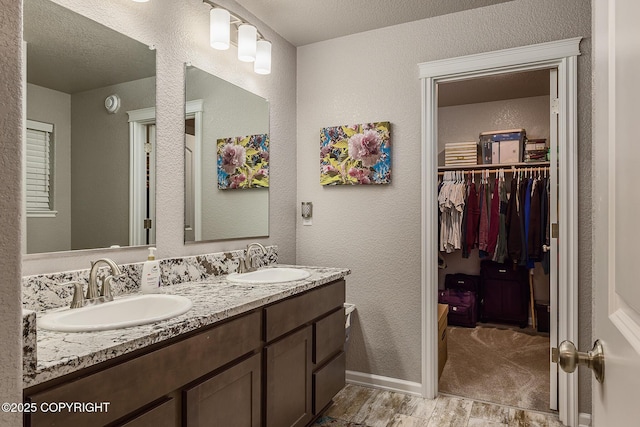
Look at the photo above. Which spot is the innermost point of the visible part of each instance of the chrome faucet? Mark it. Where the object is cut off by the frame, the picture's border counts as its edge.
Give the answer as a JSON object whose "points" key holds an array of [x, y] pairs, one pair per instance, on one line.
{"points": [[246, 263], [94, 296]]}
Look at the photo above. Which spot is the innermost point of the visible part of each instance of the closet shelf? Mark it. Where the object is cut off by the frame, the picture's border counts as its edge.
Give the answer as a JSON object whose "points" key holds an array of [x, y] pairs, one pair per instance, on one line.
{"points": [[522, 165]]}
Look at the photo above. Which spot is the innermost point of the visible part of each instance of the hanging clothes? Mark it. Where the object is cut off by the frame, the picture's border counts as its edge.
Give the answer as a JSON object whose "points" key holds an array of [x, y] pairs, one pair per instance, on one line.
{"points": [[534, 238], [522, 195], [514, 235], [473, 218], [494, 220], [501, 245], [483, 228]]}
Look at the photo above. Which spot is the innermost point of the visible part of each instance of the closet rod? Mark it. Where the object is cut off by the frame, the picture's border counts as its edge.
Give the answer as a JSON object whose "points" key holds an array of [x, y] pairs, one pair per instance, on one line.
{"points": [[506, 170]]}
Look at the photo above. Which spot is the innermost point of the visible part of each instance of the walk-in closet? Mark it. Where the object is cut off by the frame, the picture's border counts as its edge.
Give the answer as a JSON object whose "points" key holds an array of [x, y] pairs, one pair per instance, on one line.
{"points": [[497, 191]]}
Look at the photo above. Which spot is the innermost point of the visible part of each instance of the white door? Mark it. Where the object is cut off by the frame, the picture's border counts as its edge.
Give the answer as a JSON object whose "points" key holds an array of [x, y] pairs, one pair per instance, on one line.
{"points": [[616, 200]]}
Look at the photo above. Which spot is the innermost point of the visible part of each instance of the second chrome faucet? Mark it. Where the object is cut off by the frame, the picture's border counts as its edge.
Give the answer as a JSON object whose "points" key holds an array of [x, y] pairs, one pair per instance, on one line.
{"points": [[246, 263]]}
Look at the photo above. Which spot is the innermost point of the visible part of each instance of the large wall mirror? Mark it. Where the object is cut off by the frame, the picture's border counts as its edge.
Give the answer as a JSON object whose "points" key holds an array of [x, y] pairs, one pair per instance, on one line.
{"points": [[226, 160], [90, 133]]}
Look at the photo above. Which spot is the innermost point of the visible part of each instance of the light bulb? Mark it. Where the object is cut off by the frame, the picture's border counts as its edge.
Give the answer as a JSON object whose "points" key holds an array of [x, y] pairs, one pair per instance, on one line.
{"points": [[219, 30], [247, 37], [263, 57]]}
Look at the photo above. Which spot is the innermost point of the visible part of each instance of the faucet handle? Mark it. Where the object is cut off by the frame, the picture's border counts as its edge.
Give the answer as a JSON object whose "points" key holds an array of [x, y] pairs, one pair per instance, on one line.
{"points": [[78, 298], [106, 287]]}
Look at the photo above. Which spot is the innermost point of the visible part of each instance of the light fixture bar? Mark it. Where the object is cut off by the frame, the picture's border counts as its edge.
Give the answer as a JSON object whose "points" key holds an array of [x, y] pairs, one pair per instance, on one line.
{"points": [[251, 44]]}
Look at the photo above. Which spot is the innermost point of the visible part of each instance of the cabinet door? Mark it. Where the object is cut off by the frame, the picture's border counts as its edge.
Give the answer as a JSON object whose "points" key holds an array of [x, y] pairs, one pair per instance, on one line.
{"points": [[229, 399], [288, 380], [161, 415]]}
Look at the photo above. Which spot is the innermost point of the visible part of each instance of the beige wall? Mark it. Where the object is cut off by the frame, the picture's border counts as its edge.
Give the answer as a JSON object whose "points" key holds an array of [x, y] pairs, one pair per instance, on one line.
{"points": [[180, 33], [100, 163], [11, 133], [373, 76], [54, 107]]}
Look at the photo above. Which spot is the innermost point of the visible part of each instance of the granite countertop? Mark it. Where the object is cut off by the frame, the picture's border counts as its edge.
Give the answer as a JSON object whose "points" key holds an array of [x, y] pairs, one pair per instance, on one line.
{"points": [[216, 299]]}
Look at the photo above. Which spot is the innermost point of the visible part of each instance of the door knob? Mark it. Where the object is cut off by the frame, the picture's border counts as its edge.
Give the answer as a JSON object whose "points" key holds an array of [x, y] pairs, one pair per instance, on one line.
{"points": [[569, 358], [546, 248]]}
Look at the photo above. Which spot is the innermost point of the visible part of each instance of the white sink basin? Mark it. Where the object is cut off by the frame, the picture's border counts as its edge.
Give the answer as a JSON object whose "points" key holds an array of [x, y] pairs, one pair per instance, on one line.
{"points": [[269, 275], [120, 313]]}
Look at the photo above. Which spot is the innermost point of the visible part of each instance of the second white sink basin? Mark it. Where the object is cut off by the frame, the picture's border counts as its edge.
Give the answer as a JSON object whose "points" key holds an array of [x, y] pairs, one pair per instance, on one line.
{"points": [[120, 313], [269, 275]]}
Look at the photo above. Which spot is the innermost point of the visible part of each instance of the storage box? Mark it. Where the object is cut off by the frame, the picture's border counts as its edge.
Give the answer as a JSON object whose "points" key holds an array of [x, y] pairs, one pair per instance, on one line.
{"points": [[543, 316], [502, 146], [443, 311], [460, 153]]}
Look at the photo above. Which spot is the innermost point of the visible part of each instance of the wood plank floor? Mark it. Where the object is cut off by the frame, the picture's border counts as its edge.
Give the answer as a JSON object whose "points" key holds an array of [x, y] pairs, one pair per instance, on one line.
{"points": [[357, 406]]}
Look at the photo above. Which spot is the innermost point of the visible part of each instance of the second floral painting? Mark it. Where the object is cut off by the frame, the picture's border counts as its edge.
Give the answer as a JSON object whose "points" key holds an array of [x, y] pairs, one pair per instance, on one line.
{"points": [[355, 154]]}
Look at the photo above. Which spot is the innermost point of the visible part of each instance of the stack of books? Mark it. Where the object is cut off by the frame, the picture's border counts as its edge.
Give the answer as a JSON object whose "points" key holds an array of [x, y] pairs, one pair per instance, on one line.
{"points": [[461, 153], [535, 150]]}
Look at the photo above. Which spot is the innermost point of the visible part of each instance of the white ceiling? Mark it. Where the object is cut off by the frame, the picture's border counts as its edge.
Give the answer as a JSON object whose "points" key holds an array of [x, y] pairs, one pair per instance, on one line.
{"points": [[308, 21]]}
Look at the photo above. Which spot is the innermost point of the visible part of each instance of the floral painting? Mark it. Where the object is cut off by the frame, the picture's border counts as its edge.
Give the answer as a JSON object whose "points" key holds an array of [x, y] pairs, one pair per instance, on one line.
{"points": [[243, 162], [355, 154]]}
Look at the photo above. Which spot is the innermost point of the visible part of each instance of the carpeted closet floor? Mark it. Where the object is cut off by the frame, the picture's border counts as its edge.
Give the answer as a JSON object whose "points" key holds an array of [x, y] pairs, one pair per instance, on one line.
{"points": [[496, 365]]}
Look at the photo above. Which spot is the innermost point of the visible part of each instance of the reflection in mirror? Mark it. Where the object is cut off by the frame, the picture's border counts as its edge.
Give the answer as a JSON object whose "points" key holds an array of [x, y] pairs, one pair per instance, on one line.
{"points": [[82, 81], [226, 160]]}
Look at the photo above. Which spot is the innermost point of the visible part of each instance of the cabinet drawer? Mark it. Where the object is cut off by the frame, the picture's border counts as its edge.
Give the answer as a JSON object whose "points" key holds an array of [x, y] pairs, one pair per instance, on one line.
{"points": [[162, 415], [328, 336], [287, 315], [134, 383], [328, 381], [229, 399]]}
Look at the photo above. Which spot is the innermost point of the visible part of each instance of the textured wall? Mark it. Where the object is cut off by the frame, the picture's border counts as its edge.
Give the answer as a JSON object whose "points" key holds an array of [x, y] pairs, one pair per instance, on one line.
{"points": [[51, 106], [375, 231], [11, 93], [180, 33], [465, 122]]}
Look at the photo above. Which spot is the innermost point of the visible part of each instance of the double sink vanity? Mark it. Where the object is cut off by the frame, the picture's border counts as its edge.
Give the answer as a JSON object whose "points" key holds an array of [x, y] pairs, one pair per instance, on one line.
{"points": [[262, 348]]}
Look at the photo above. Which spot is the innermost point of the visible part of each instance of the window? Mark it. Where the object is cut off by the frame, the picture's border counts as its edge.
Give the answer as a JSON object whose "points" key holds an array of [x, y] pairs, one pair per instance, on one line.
{"points": [[39, 169]]}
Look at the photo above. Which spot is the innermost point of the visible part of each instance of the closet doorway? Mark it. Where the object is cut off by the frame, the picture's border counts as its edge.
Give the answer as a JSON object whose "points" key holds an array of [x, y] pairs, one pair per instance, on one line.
{"points": [[494, 277], [556, 60]]}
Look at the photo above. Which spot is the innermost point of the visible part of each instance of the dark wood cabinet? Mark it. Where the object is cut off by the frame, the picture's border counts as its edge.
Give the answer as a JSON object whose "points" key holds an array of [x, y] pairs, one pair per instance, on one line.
{"points": [[304, 361], [288, 380], [228, 399], [276, 366]]}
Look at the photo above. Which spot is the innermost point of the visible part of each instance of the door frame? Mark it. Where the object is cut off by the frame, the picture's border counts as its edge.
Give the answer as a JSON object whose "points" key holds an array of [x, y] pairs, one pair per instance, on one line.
{"points": [[138, 122], [194, 110], [562, 55]]}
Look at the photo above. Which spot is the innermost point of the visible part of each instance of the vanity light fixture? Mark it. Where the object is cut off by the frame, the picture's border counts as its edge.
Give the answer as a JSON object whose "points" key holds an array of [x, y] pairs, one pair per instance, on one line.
{"points": [[263, 57], [219, 28], [247, 41], [140, 1], [252, 47]]}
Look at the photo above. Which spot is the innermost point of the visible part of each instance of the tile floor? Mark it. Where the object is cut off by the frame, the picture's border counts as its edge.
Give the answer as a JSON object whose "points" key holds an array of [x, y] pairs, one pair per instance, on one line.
{"points": [[357, 406]]}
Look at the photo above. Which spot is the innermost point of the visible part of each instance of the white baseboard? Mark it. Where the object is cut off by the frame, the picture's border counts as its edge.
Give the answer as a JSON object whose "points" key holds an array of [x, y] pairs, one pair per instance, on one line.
{"points": [[584, 420], [384, 383]]}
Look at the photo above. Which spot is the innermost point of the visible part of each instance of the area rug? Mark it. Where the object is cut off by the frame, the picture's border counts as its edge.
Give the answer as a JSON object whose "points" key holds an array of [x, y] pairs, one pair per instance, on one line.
{"points": [[501, 366]]}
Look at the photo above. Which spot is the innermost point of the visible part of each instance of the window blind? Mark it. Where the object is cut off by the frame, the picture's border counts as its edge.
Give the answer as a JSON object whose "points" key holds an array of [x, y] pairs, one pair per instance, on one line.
{"points": [[38, 180]]}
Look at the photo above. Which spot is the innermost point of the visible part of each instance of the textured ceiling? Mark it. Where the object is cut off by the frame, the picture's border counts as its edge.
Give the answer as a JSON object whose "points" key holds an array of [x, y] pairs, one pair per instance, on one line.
{"points": [[494, 88], [70, 53], [308, 21]]}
